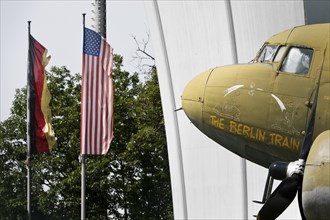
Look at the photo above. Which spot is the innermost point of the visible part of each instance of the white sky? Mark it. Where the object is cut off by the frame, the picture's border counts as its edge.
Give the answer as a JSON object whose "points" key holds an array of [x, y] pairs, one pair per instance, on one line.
{"points": [[57, 25]]}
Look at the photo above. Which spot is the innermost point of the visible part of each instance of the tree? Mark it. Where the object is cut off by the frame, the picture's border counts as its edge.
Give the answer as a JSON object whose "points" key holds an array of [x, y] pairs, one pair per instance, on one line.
{"points": [[131, 182], [12, 169], [147, 156]]}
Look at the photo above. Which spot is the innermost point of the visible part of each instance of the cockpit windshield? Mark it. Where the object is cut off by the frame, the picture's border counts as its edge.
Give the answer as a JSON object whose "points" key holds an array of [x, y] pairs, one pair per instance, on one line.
{"points": [[296, 60], [267, 53]]}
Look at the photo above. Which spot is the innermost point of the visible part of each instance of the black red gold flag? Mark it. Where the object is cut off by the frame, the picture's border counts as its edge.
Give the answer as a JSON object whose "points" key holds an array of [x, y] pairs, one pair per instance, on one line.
{"points": [[41, 132]]}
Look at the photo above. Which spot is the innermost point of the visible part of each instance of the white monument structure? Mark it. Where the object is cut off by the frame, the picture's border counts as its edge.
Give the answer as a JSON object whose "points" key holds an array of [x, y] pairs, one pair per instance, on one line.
{"points": [[189, 37]]}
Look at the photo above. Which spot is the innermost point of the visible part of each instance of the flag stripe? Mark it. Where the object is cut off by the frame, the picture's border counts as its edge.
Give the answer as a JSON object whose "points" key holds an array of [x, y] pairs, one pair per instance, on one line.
{"points": [[94, 107], [101, 103], [83, 104], [105, 107], [96, 97]]}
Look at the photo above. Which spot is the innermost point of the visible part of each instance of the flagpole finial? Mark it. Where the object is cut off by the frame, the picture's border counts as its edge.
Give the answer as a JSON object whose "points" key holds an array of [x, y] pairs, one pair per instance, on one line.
{"points": [[29, 26], [84, 15]]}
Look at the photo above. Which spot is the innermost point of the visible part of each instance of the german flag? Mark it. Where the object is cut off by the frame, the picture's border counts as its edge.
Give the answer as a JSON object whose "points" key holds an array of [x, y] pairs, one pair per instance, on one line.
{"points": [[40, 130]]}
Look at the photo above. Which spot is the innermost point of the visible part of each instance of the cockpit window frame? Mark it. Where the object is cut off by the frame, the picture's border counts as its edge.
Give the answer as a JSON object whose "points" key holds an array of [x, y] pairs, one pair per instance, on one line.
{"points": [[279, 62], [283, 55]]}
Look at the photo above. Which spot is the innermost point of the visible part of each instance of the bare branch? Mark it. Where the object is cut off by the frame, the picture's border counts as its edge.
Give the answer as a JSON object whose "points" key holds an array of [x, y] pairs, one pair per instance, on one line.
{"points": [[145, 53], [142, 56]]}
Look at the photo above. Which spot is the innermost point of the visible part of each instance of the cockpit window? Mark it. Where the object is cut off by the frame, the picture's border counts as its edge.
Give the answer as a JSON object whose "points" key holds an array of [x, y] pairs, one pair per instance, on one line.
{"points": [[267, 53], [297, 61]]}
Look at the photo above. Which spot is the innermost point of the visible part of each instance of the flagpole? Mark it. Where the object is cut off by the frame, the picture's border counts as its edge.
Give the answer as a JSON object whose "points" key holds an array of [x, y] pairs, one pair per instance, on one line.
{"points": [[28, 127], [83, 188], [83, 166]]}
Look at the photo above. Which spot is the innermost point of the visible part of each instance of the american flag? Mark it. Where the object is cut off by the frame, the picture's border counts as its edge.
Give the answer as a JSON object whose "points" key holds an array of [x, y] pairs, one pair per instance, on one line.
{"points": [[96, 128]]}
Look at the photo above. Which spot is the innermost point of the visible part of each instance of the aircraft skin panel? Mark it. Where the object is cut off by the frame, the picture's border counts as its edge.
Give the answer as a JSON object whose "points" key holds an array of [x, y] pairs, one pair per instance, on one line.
{"points": [[282, 85], [227, 76], [235, 111], [312, 37], [280, 37], [295, 97], [322, 121], [198, 83]]}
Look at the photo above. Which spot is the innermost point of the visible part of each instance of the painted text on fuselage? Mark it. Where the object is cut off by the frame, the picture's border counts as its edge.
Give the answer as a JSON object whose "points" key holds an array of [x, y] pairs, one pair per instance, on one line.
{"points": [[254, 133]]}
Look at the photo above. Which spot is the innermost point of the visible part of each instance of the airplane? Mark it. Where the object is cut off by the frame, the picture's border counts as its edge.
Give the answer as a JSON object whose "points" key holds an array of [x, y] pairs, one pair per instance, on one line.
{"points": [[275, 112]]}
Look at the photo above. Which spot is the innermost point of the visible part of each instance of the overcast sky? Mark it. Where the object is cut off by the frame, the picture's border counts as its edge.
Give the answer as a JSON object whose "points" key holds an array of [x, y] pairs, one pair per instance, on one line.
{"points": [[57, 25]]}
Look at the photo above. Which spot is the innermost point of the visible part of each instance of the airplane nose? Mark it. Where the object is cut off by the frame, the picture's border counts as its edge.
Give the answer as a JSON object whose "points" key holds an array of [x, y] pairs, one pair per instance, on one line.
{"points": [[193, 98]]}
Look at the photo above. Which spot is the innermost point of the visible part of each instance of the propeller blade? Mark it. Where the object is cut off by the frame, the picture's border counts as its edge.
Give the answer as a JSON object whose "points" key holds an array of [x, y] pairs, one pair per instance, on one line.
{"points": [[280, 199]]}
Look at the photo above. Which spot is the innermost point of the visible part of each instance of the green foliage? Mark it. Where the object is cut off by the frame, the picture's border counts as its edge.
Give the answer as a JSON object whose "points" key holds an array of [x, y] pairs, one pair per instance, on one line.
{"points": [[12, 163], [147, 155], [131, 182]]}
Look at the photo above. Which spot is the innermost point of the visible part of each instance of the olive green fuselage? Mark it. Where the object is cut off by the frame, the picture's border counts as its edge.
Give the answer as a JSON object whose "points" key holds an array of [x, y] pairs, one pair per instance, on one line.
{"points": [[260, 110]]}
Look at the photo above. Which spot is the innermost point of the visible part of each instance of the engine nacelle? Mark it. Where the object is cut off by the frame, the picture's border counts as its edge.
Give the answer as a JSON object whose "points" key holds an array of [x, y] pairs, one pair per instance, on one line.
{"points": [[316, 182]]}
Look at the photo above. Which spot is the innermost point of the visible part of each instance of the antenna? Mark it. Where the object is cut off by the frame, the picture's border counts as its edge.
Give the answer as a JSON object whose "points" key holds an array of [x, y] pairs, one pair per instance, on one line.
{"points": [[100, 17]]}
